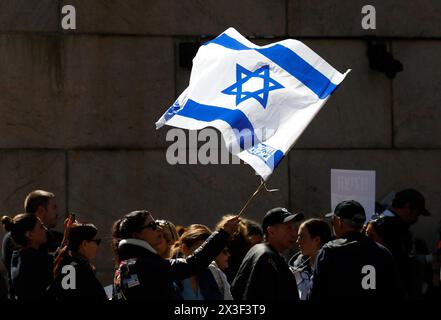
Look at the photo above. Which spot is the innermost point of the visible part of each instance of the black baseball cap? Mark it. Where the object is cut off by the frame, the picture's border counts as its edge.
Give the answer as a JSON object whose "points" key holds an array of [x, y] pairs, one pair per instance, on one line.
{"points": [[280, 215], [349, 210], [413, 197]]}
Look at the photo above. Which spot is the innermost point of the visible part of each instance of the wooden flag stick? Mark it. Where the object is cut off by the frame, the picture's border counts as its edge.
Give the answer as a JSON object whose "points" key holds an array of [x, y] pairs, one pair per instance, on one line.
{"points": [[262, 184]]}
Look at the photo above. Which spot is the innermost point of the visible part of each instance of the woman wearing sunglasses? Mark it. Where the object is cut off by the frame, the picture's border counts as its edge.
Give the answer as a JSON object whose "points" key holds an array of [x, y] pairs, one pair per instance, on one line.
{"points": [[142, 274], [74, 275]]}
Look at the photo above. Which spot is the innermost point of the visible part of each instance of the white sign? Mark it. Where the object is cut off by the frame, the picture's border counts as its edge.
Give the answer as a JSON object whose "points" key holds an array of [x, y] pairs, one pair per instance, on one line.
{"points": [[358, 185]]}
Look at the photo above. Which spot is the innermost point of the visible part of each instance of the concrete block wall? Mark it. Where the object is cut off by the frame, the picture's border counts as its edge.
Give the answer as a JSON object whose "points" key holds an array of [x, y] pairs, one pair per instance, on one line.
{"points": [[78, 107]]}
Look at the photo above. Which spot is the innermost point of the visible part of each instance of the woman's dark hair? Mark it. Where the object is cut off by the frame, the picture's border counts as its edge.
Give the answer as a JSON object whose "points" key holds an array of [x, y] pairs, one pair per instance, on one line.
{"points": [[77, 234], [19, 225], [318, 228], [125, 227]]}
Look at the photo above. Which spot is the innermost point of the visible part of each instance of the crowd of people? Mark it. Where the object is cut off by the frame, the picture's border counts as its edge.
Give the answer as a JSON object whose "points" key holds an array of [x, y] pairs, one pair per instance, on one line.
{"points": [[338, 256]]}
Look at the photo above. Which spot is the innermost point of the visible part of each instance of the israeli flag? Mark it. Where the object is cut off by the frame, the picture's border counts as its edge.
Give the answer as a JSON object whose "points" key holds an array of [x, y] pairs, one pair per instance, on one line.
{"points": [[261, 98]]}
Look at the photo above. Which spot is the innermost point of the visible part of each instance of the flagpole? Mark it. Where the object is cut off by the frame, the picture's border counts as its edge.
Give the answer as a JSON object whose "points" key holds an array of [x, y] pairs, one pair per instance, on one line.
{"points": [[262, 184]]}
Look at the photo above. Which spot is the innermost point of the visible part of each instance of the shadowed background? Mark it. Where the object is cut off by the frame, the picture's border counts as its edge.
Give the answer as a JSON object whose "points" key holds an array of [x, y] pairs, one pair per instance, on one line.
{"points": [[77, 107]]}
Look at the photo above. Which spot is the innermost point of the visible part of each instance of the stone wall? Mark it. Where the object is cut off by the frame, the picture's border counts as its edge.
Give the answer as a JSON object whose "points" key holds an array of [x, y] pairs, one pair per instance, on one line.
{"points": [[78, 107]]}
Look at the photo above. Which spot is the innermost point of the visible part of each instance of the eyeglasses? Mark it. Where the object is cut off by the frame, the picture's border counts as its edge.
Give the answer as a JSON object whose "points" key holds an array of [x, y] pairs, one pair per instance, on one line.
{"points": [[97, 241], [152, 225]]}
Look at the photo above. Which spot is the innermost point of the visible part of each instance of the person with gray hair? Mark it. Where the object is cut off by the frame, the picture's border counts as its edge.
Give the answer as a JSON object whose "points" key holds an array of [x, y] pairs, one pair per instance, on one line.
{"points": [[353, 266]]}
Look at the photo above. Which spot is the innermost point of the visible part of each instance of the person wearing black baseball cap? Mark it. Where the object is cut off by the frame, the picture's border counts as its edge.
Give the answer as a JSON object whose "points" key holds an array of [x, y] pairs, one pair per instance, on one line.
{"points": [[350, 216], [406, 207], [264, 274], [353, 266]]}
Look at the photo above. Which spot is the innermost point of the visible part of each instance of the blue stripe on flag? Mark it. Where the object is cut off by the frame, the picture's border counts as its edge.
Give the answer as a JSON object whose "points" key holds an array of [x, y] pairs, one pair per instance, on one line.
{"points": [[300, 69], [287, 60], [235, 118], [228, 42], [278, 156]]}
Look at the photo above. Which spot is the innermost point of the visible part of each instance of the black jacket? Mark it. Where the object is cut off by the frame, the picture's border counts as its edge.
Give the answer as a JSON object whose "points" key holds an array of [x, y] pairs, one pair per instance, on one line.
{"points": [[31, 273], [339, 270], [264, 275], [399, 241], [87, 286], [144, 275], [3, 285]]}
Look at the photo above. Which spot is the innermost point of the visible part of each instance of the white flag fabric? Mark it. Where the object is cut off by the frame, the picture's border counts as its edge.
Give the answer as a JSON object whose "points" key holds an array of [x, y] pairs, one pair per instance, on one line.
{"points": [[261, 98]]}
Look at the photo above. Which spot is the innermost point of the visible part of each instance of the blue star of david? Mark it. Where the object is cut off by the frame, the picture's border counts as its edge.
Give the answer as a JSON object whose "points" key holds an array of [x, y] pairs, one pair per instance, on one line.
{"points": [[261, 95]]}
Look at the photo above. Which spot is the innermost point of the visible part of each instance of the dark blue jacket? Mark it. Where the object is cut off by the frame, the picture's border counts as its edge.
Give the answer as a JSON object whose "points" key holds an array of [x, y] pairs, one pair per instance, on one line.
{"points": [[54, 239], [338, 274], [31, 273]]}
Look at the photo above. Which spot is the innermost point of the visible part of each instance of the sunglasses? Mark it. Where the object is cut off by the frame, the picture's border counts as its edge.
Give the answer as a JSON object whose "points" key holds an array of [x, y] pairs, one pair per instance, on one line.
{"points": [[97, 241], [152, 225]]}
